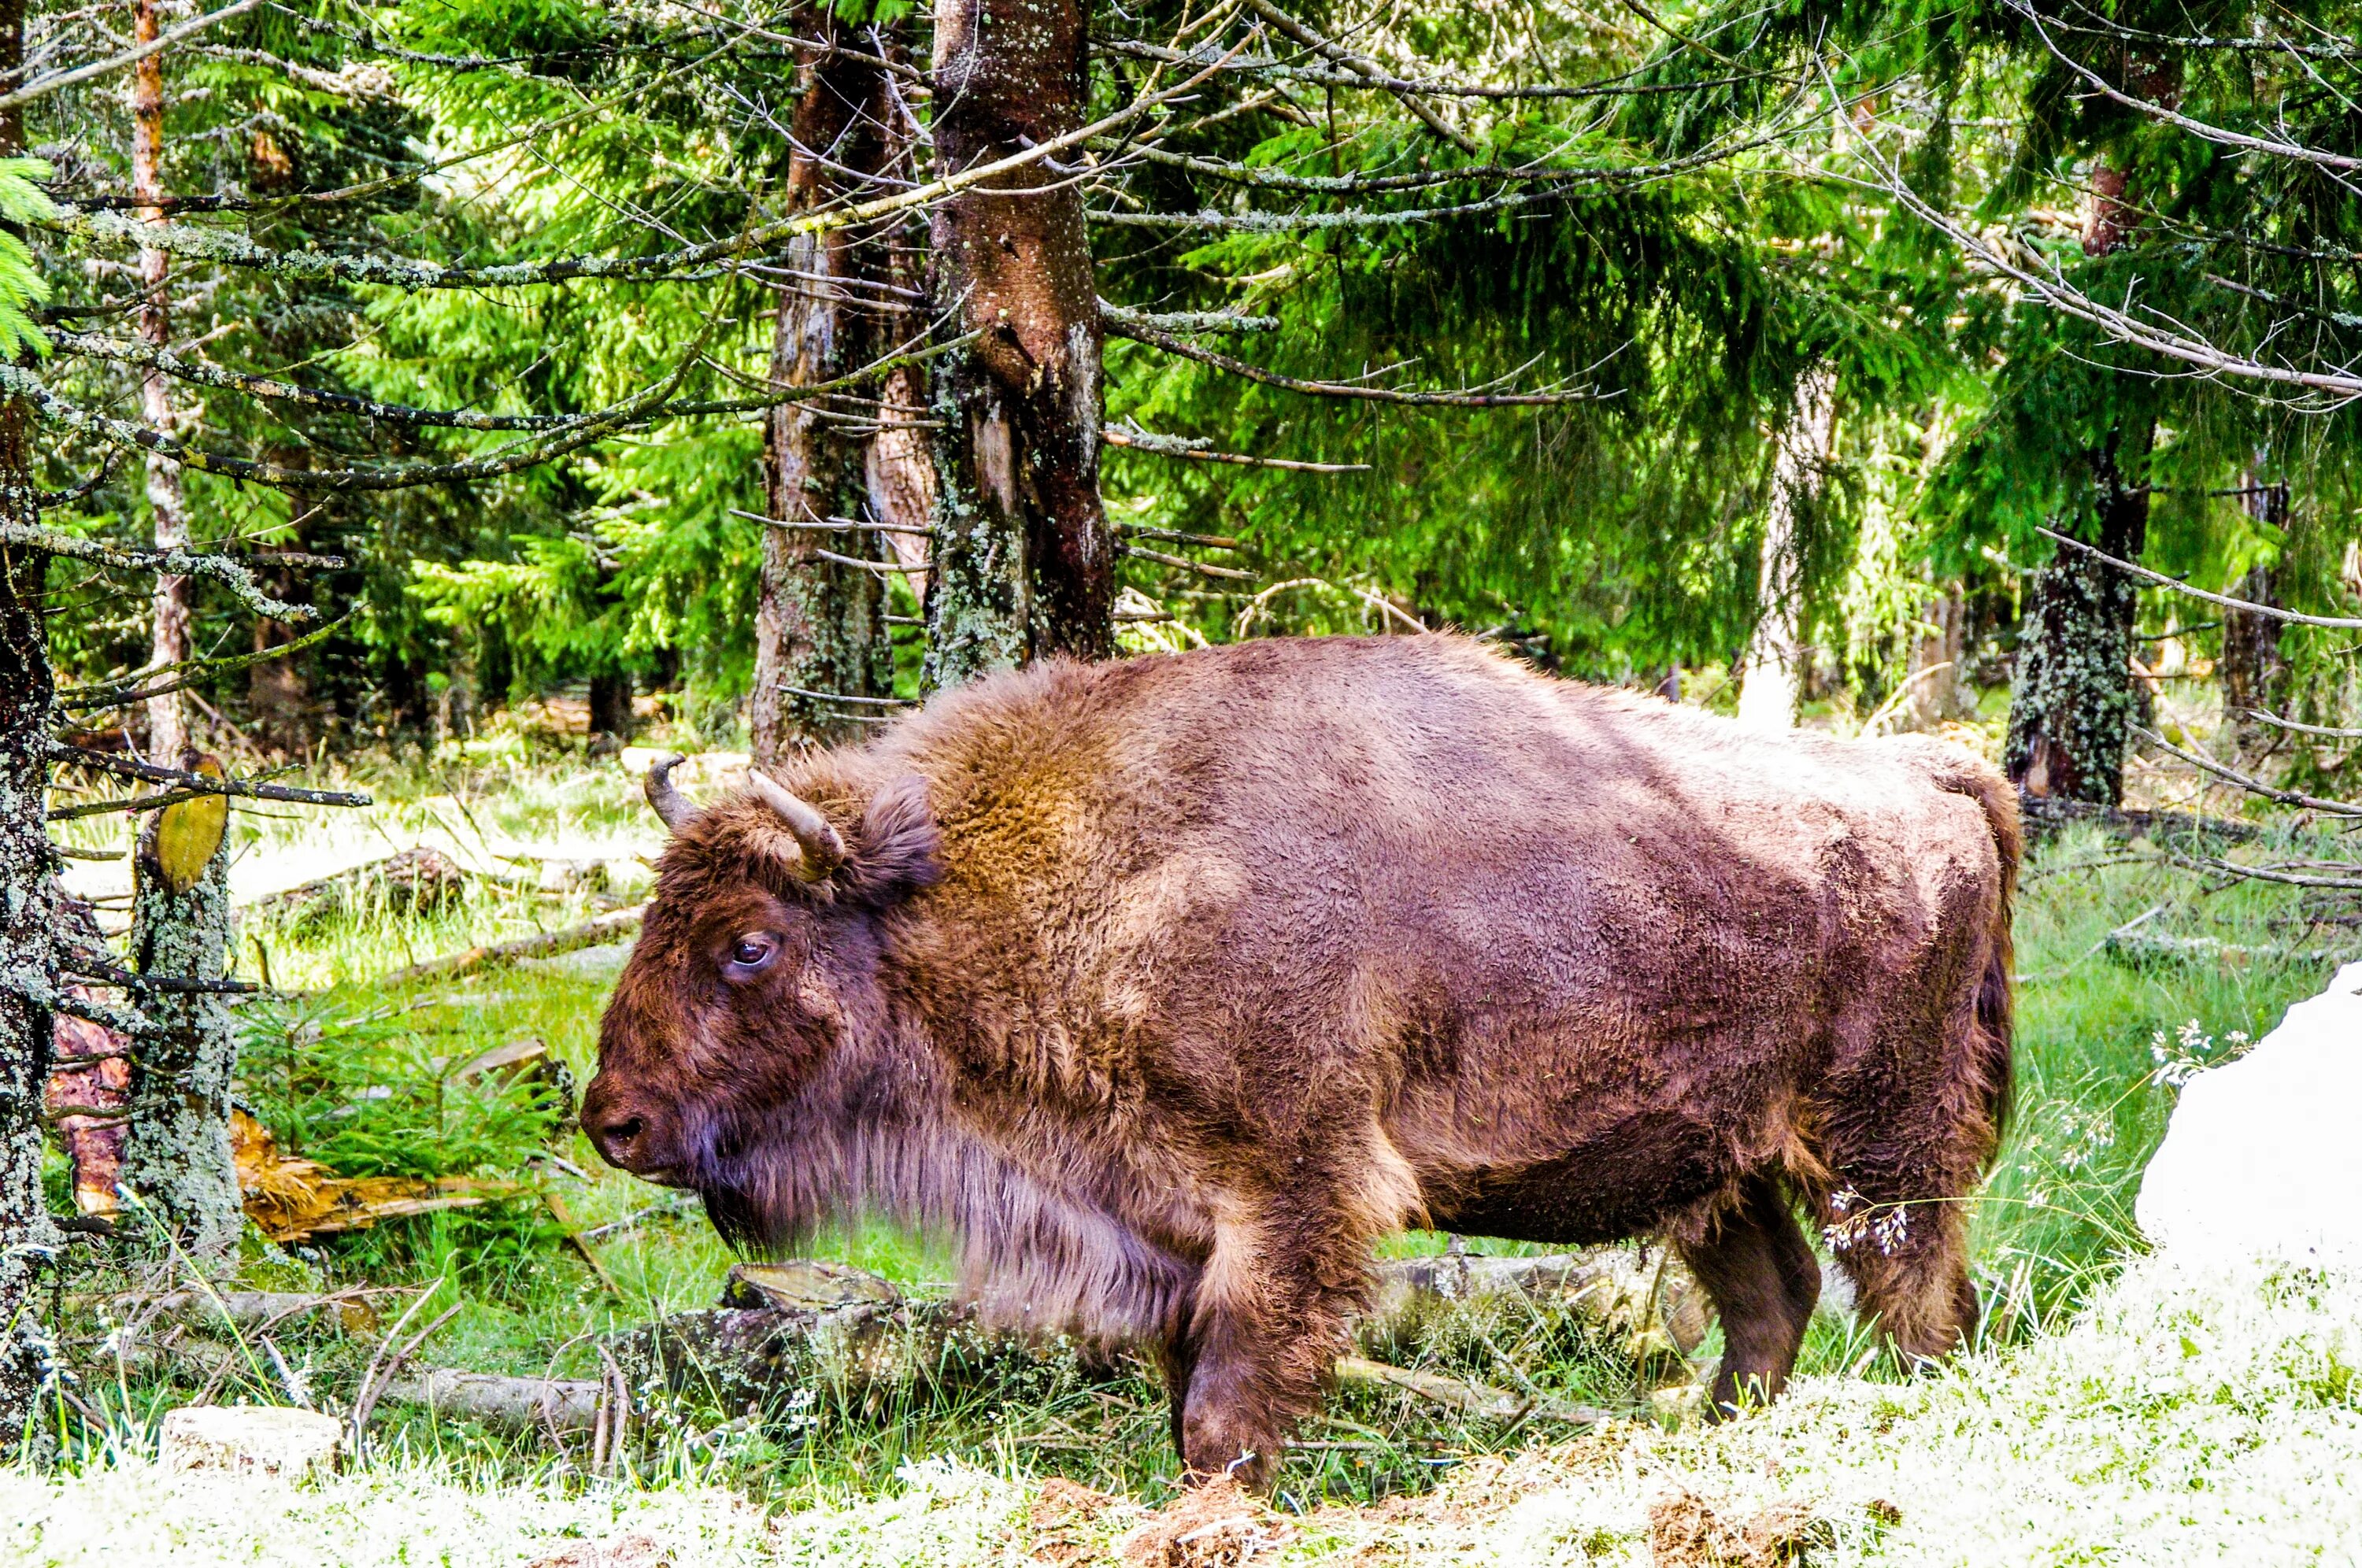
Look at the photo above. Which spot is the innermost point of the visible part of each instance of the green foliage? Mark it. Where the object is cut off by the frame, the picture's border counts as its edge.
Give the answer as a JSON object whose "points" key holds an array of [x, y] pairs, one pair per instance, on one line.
{"points": [[366, 1093], [22, 201]]}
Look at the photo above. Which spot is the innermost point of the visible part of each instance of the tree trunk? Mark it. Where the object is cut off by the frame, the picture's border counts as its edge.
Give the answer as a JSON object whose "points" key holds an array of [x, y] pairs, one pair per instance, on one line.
{"points": [[2072, 699], [178, 1156], [168, 728], [27, 893], [1024, 562], [1936, 678], [1771, 671], [2252, 666], [820, 625], [2071, 703], [611, 708]]}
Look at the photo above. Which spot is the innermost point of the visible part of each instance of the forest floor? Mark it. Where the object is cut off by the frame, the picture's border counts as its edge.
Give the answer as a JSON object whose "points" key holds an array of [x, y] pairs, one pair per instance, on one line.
{"points": [[2114, 1411]]}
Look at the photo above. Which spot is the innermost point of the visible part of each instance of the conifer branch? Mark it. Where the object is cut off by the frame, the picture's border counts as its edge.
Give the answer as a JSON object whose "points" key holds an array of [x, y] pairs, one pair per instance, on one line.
{"points": [[1138, 332], [231, 247], [41, 87], [219, 569]]}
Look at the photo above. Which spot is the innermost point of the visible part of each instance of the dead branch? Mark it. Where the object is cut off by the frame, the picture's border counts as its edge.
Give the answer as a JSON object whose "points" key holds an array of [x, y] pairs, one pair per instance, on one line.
{"points": [[1155, 337], [121, 692], [2335, 389], [1369, 70], [1468, 1398], [42, 86], [1182, 563], [2263, 873], [2272, 612], [595, 933], [2325, 730], [228, 574], [2253, 786], [1199, 452], [1191, 320]]}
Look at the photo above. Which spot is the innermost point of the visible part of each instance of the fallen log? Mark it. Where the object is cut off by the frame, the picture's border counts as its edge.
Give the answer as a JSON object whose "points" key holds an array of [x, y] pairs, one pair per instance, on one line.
{"points": [[555, 1404], [790, 1332], [1467, 1399], [596, 932], [419, 880]]}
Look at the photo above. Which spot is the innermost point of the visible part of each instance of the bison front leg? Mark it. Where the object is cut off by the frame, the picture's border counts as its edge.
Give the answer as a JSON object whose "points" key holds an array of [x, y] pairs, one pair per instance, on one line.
{"points": [[1287, 1272], [1756, 1264]]}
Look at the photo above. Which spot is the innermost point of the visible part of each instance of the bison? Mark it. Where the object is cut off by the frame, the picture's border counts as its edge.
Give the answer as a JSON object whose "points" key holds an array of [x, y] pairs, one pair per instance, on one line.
{"points": [[1168, 986]]}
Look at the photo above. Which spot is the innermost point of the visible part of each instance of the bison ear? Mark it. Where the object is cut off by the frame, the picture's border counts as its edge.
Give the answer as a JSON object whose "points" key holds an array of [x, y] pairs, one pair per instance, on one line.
{"points": [[897, 845]]}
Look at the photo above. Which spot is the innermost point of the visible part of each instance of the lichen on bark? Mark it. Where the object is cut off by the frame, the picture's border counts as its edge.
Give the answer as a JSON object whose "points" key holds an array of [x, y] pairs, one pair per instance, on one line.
{"points": [[178, 1156], [2071, 703], [29, 1238]]}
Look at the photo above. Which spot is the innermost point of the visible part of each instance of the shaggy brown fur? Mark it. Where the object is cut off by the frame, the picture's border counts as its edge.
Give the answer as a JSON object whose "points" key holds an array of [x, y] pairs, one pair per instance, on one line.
{"points": [[1170, 984]]}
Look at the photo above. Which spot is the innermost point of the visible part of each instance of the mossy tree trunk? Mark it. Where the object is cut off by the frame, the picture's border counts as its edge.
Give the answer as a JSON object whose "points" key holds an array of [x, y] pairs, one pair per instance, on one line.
{"points": [[820, 625], [29, 1238], [2071, 704], [1024, 560], [178, 1156]]}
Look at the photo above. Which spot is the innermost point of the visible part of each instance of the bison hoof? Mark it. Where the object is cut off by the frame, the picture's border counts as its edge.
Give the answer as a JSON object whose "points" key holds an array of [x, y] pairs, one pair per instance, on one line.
{"points": [[1214, 1449]]}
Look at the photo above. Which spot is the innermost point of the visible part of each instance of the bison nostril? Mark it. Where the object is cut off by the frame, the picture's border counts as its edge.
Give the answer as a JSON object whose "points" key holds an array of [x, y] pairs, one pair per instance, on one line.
{"points": [[624, 1130]]}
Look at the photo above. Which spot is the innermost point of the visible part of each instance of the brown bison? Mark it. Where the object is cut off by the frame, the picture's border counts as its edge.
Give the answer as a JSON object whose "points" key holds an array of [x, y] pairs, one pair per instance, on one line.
{"points": [[1168, 986]]}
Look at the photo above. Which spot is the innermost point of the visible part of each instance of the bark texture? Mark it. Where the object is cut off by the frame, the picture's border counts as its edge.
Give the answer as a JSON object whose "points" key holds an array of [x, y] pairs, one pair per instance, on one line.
{"points": [[1024, 561], [820, 625], [178, 1156], [2253, 668], [2072, 701], [168, 712], [27, 893], [1938, 690], [1772, 672]]}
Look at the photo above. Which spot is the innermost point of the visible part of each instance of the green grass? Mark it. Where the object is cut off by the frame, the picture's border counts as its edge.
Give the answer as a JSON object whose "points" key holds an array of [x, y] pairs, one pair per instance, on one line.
{"points": [[2051, 1230]]}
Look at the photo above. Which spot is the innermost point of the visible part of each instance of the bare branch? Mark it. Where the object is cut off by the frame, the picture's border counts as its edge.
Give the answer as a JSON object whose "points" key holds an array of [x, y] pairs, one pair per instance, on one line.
{"points": [[2273, 612], [220, 570], [2337, 387], [2278, 723], [1199, 452], [106, 694], [186, 786], [1138, 332], [2253, 786], [1190, 320], [41, 87], [232, 248], [2200, 128], [1125, 547], [1368, 69]]}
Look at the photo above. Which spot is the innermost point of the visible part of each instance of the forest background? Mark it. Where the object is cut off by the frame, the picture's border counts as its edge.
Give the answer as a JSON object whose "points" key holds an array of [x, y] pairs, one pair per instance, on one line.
{"points": [[437, 400]]}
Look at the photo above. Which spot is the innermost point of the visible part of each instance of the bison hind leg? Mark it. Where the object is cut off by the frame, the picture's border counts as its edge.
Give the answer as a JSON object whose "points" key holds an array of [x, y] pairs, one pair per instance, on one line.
{"points": [[1912, 1278], [1753, 1261]]}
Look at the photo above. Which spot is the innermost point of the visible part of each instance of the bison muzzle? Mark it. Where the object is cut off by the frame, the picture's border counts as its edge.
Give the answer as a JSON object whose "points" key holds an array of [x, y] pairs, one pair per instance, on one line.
{"points": [[1168, 986]]}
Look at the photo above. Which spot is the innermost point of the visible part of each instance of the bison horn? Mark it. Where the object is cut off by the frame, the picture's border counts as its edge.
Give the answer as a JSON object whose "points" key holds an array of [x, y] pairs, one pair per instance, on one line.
{"points": [[823, 850], [665, 795]]}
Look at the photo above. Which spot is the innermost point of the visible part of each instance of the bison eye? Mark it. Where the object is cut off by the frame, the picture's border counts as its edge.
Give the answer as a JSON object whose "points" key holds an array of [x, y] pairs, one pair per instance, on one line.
{"points": [[753, 951]]}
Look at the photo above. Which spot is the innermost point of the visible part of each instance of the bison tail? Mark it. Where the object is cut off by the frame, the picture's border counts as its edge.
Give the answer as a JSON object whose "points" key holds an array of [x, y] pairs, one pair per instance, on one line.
{"points": [[1962, 774]]}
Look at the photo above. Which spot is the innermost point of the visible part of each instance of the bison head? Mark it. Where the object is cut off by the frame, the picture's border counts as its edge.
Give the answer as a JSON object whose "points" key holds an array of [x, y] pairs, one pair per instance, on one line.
{"points": [[756, 976]]}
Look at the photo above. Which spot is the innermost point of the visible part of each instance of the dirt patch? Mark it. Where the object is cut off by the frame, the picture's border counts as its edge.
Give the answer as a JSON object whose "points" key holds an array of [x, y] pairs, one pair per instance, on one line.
{"points": [[1060, 1523], [636, 1550], [1687, 1531], [1212, 1527]]}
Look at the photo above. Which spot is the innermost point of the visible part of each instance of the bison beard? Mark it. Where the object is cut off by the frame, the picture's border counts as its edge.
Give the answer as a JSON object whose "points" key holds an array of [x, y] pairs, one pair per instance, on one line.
{"points": [[1167, 987]]}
